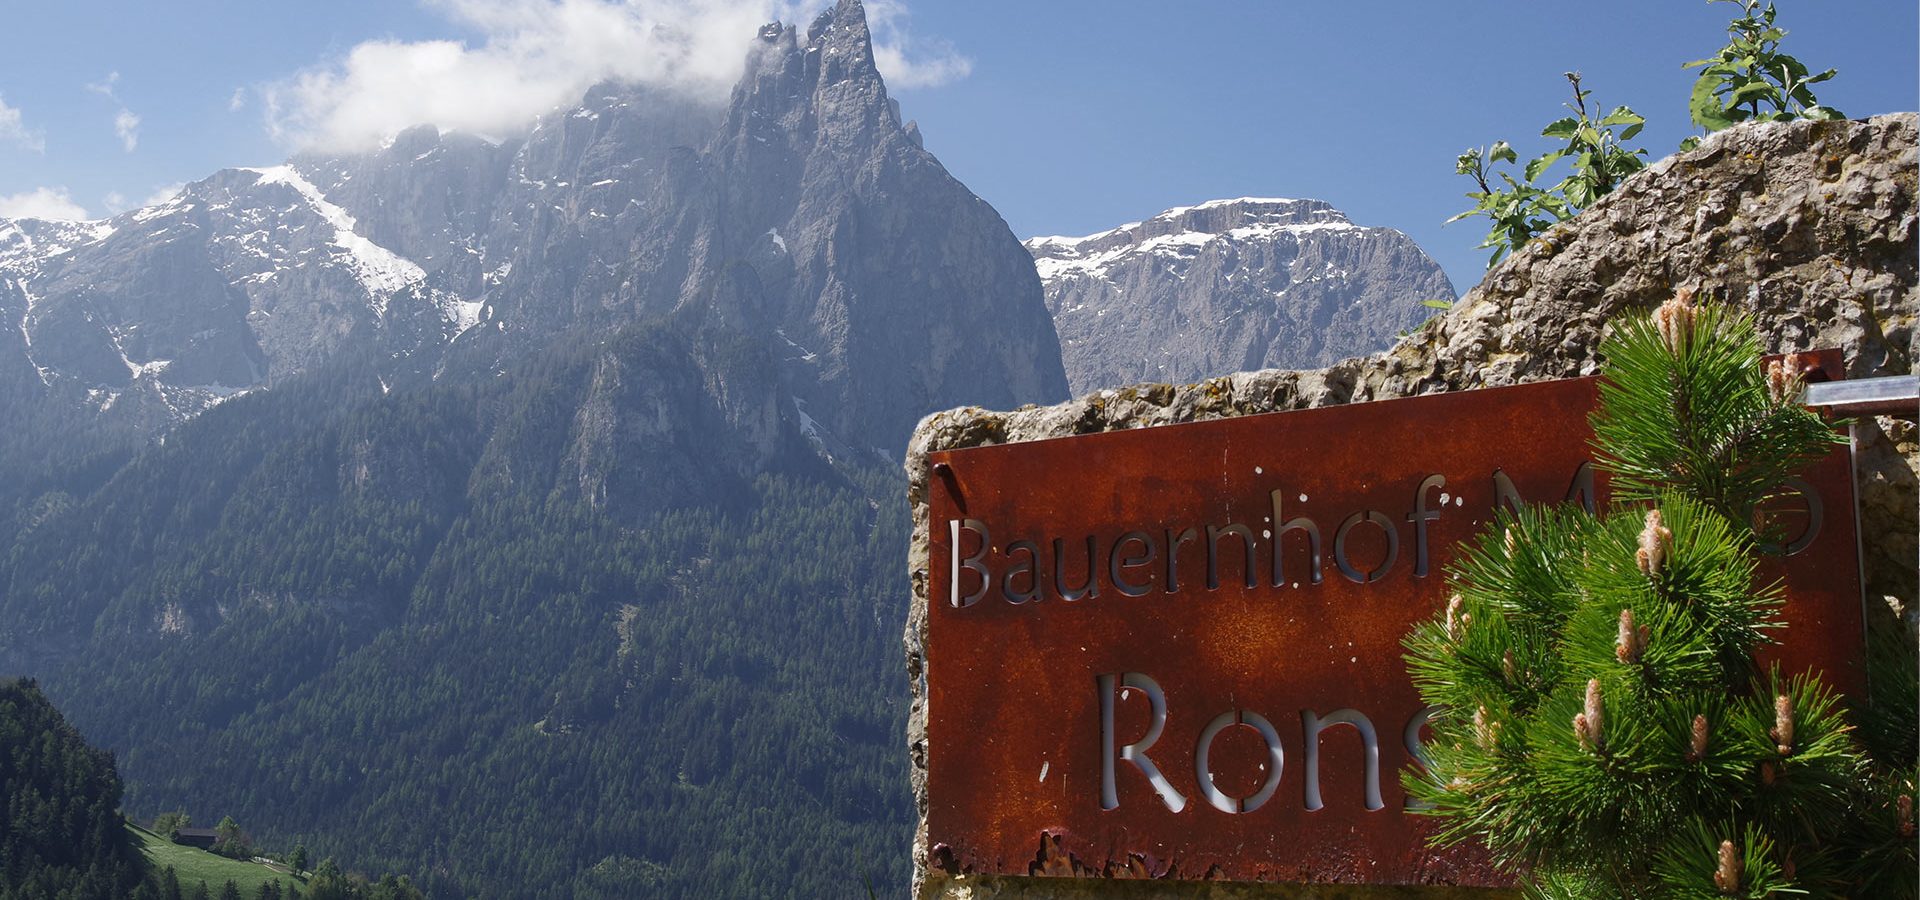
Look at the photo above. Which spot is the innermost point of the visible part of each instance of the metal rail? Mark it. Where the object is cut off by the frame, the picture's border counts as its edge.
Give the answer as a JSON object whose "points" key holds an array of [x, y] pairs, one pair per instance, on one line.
{"points": [[1887, 395]]}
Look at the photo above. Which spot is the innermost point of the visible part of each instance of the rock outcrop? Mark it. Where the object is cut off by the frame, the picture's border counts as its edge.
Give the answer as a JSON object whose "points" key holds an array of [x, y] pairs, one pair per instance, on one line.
{"points": [[814, 215], [1230, 286], [1809, 226]]}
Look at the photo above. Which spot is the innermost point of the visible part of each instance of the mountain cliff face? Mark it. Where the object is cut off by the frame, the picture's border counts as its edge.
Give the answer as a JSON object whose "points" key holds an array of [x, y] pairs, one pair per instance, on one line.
{"points": [[804, 214], [1228, 286], [510, 513]]}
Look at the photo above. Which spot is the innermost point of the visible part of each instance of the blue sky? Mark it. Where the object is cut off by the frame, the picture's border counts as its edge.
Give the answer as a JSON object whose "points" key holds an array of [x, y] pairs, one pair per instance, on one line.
{"points": [[1068, 117]]}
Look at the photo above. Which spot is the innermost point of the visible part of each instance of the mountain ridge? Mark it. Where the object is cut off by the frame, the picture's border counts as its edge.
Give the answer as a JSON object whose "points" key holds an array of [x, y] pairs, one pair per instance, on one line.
{"points": [[1230, 285], [768, 211], [588, 590]]}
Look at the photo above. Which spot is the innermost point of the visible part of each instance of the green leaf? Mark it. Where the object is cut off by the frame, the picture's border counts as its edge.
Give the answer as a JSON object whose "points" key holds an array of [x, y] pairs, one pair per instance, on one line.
{"points": [[1561, 128], [1502, 152], [1437, 304], [1541, 163], [1755, 90], [1622, 115], [1705, 107], [1629, 133]]}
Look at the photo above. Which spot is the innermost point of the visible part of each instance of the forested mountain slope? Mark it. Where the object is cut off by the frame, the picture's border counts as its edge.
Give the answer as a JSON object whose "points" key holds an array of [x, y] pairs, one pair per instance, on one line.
{"points": [[62, 835], [545, 538]]}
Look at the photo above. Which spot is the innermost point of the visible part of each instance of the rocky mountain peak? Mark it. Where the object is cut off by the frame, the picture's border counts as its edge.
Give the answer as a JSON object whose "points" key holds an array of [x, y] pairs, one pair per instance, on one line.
{"points": [[1240, 218], [801, 215], [829, 85], [845, 46], [1229, 285]]}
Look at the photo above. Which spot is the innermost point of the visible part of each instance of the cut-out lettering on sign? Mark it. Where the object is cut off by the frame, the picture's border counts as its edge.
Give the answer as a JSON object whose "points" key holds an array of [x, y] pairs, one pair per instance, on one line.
{"points": [[1192, 633]]}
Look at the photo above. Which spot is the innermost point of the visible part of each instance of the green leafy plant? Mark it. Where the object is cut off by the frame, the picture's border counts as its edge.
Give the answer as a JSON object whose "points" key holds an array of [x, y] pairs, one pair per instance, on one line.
{"points": [[1751, 80], [1604, 726], [1520, 209]]}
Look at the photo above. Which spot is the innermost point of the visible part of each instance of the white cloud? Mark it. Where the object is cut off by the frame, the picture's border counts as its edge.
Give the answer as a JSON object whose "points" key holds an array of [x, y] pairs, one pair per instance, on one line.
{"points": [[163, 193], [104, 87], [127, 126], [907, 63], [238, 100], [41, 203], [13, 130], [116, 202], [534, 55]]}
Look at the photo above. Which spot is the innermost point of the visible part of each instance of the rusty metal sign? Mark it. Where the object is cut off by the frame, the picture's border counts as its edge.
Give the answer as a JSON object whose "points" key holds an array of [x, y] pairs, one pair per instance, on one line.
{"points": [[1175, 652]]}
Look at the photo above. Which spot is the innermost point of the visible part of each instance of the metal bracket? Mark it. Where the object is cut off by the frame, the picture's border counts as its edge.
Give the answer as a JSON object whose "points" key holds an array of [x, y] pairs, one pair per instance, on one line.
{"points": [[1887, 395]]}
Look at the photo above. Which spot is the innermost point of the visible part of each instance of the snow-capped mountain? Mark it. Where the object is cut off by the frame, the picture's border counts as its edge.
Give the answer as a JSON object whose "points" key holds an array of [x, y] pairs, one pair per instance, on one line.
{"points": [[1228, 286], [235, 282], [804, 215]]}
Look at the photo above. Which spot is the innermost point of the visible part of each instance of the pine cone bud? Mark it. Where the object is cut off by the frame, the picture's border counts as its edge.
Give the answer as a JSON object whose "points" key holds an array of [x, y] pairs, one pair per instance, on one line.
{"points": [[1587, 725], [1507, 666], [1727, 876], [1593, 703], [1766, 774], [1697, 750], [1905, 807], [1485, 731], [1782, 732], [1655, 540], [1632, 641], [1783, 383], [1456, 622], [1674, 321]]}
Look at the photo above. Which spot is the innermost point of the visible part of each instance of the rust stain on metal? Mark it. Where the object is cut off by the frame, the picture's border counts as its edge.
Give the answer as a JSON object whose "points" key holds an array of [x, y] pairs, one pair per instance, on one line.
{"points": [[1175, 652]]}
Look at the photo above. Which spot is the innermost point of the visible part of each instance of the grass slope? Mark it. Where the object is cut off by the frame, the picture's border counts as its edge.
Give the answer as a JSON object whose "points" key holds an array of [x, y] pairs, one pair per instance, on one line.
{"points": [[193, 865]]}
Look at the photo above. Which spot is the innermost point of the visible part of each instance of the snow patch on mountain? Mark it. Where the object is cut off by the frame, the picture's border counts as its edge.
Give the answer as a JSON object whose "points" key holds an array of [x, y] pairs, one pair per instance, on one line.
{"points": [[381, 271], [160, 210], [1180, 232], [25, 244], [462, 314], [1227, 285]]}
